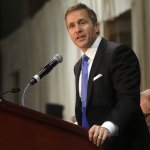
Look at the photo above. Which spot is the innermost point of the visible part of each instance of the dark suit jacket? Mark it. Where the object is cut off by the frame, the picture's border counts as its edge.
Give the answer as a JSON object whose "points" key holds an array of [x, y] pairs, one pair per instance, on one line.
{"points": [[115, 96]]}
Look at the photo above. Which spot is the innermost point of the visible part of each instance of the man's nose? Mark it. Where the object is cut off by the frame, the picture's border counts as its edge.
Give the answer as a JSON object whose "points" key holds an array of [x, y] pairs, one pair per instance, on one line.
{"points": [[78, 29]]}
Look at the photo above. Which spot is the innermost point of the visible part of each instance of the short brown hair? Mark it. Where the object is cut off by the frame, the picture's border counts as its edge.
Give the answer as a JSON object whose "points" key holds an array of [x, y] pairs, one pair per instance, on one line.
{"points": [[92, 15]]}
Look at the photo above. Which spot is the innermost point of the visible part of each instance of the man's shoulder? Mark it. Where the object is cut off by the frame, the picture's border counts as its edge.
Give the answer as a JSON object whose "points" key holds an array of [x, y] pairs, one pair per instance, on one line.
{"points": [[111, 44]]}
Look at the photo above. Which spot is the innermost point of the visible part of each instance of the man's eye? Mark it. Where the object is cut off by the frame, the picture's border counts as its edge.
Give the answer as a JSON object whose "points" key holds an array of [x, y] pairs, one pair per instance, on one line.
{"points": [[71, 25], [83, 22]]}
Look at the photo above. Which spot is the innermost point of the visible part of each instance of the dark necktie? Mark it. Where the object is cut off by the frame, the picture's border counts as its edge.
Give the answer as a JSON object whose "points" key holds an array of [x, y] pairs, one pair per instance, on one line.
{"points": [[84, 84]]}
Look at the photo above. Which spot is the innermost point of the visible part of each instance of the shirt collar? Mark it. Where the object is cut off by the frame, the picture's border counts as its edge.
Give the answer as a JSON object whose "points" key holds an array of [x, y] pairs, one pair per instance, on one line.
{"points": [[93, 49]]}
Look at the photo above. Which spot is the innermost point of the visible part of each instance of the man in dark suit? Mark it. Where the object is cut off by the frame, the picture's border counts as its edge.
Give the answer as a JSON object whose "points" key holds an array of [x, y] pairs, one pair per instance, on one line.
{"points": [[113, 113]]}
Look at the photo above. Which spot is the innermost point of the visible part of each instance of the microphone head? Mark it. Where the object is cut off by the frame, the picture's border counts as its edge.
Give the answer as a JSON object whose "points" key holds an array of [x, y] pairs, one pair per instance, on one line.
{"points": [[58, 57]]}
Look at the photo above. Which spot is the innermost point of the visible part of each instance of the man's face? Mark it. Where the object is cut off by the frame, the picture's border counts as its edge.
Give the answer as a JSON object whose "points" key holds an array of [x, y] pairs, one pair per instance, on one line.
{"points": [[81, 29]]}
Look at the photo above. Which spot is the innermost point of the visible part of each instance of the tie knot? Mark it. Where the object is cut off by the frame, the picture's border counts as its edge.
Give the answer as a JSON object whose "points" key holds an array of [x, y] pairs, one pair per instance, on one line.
{"points": [[85, 58]]}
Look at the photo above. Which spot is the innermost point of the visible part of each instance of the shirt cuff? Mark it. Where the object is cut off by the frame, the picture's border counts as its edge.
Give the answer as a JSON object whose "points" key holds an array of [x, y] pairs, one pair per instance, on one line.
{"points": [[112, 128], [76, 123]]}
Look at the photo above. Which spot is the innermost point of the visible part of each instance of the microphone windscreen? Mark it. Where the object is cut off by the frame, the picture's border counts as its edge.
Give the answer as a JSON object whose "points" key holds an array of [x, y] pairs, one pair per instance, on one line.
{"points": [[58, 57]]}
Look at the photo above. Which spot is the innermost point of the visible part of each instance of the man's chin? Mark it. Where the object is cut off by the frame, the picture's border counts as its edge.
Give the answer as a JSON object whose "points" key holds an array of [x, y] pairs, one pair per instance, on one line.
{"points": [[82, 45]]}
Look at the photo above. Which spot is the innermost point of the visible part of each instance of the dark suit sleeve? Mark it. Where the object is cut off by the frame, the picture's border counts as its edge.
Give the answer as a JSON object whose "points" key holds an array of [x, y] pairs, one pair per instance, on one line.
{"points": [[125, 75]]}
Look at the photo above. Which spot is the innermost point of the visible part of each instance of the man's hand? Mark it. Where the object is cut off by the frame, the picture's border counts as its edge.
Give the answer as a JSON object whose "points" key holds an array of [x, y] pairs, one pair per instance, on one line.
{"points": [[98, 134]]}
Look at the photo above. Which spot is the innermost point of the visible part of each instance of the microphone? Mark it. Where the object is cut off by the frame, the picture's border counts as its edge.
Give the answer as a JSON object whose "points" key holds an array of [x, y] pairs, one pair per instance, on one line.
{"points": [[10, 91], [46, 69]]}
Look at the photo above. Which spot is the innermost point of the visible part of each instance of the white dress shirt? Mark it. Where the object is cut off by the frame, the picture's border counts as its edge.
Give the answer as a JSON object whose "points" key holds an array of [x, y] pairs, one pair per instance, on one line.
{"points": [[91, 52]]}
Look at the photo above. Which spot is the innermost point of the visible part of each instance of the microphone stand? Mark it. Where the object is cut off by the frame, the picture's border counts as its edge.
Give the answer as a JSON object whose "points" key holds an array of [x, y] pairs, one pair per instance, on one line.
{"points": [[24, 95], [57, 59]]}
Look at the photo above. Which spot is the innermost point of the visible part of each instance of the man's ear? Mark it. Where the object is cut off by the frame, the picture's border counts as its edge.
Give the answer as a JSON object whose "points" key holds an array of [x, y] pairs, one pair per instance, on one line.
{"points": [[97, 27]]}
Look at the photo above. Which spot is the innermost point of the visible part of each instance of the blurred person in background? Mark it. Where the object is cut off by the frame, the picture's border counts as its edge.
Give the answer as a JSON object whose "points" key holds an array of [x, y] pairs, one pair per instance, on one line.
{"points": [[145, 105]]}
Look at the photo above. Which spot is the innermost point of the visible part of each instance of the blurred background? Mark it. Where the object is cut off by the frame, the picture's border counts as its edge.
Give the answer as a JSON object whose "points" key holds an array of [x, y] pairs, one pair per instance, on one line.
{"points": [[33, 31]]}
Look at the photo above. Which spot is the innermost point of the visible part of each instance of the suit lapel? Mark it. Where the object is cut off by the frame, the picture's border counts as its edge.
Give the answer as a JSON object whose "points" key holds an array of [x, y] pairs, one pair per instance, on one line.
{"points": [[96, 64], [77, 72]]}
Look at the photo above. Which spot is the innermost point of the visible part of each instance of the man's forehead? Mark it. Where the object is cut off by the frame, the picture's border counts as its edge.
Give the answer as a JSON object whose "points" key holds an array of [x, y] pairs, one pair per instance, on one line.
{"points": [[77, 15], [78, 12]]}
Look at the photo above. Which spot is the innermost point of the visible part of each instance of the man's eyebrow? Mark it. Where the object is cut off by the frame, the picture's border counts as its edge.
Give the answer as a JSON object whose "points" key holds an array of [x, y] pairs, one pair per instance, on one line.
{"points": [[82, 19], [78, 21]]}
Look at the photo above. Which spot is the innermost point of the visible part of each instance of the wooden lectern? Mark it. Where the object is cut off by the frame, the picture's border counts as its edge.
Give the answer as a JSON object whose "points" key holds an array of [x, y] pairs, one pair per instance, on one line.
{"points": [[24, 129]]}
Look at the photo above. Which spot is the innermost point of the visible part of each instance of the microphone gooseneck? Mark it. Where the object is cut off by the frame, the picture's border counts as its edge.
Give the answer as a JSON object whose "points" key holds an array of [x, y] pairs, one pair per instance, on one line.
{"points": [[24, 95]]}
